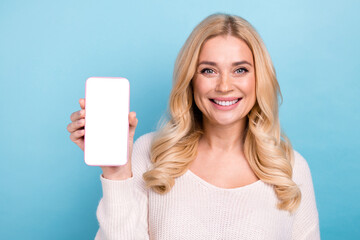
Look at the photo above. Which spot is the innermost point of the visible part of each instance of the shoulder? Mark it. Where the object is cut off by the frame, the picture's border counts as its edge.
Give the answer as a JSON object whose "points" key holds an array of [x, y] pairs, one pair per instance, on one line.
{"points": [[301, 169], [307, 217], [143, 143], [145, 138], [299, 160], [141, 151]]}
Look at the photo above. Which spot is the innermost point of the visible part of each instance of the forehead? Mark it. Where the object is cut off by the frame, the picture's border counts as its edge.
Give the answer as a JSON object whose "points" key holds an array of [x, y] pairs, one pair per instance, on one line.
{"points": [[225, 49]]}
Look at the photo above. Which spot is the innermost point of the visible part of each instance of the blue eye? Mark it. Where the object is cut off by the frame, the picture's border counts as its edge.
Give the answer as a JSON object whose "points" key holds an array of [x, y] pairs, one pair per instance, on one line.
{"points": [[241, 70], [207, 71]]}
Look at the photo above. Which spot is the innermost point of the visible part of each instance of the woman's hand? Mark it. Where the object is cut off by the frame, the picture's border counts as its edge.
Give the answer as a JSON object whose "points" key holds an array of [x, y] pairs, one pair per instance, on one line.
{"points": [[77, 133]]}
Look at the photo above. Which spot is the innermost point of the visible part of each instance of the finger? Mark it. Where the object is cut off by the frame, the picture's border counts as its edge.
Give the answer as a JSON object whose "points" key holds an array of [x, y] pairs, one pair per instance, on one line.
{"points": [[74, 126], [77, 135], [82, 103], [77, 115], [132, 119]]}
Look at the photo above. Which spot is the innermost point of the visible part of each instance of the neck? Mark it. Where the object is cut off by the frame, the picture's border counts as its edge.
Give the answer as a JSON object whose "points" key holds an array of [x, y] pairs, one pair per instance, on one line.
{"points": [[223, 138]]}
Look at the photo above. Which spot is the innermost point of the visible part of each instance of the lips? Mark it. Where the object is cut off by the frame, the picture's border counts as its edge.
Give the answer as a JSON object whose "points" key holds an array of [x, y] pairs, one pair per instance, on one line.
{"points": [[225, 98], [228, 103]]}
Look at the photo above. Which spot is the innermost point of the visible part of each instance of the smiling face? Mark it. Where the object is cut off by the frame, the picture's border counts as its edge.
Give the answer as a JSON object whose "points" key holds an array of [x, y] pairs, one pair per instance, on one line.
{"points": [[224, 81]]}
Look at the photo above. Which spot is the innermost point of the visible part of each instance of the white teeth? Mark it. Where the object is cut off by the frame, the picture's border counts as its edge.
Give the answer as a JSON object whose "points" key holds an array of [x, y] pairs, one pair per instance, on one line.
{"points": [[226, 103]]}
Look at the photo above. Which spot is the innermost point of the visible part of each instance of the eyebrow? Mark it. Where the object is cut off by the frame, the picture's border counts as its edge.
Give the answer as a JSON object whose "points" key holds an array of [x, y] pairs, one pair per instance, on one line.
{"points": [[233, 64]]}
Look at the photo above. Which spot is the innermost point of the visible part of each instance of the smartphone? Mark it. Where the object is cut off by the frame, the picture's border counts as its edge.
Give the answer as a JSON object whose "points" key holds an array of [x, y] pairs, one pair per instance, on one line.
{"points": [[107, 102]]}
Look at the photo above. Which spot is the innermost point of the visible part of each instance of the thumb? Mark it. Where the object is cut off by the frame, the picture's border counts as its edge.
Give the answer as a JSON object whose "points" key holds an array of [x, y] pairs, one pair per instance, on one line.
{"points": [[133, 121], [82, 103]]}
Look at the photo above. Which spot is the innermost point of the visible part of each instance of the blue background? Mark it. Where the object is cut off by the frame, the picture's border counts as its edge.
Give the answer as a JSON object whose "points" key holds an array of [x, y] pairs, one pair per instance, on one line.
{"points": [[49, 48]]}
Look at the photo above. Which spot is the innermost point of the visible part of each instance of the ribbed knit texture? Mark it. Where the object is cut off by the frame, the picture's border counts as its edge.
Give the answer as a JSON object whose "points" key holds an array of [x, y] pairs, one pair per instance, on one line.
{"points": [[195, 209]]}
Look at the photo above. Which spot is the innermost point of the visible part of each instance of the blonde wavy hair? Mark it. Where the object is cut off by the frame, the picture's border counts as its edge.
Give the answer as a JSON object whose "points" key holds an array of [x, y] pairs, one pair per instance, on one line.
{"points": [[266, 147]]}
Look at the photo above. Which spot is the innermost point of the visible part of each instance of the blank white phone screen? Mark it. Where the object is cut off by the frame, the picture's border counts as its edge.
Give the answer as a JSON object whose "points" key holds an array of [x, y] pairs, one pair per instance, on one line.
{"points": [[106, 121]]}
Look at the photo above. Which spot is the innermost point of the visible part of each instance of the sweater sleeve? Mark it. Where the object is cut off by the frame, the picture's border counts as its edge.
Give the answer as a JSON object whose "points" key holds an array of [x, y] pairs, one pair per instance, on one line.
{"points": [[306, 221], [122, 212]]}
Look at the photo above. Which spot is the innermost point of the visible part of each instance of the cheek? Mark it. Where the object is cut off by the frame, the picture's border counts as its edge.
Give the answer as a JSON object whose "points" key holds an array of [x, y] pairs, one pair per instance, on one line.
{"points": [[200, 90], [252, 92], [201, 85], [248, 87]]}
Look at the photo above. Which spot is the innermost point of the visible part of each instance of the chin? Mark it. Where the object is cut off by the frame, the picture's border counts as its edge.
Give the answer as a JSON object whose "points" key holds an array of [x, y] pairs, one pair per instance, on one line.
{"points": [[225, 121]]}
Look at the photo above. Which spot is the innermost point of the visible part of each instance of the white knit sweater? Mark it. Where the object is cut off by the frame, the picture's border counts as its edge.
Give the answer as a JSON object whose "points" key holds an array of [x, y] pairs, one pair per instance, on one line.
{"points": [[196, 209]]}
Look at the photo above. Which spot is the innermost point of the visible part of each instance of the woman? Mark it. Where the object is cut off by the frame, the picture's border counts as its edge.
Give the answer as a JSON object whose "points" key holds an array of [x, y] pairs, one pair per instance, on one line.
{"points": [[220, 168]]}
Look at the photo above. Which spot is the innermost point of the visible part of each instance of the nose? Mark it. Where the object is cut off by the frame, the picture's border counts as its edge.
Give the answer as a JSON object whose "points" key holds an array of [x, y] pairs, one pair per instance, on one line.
{"points": [[224, 84]]}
